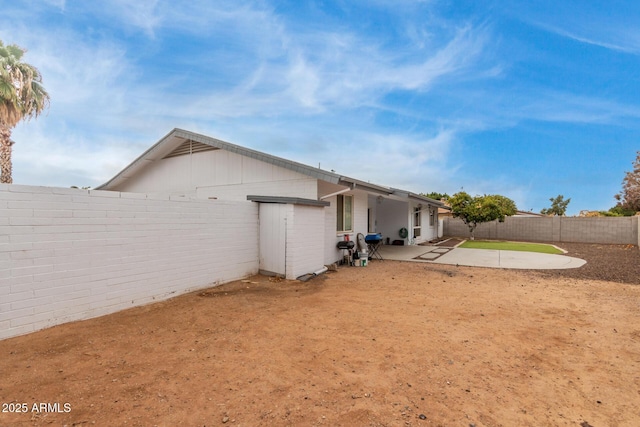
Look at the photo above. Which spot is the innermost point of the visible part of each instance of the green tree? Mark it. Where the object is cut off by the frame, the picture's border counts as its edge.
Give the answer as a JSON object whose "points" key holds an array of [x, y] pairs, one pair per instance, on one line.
{"points": [[22, 96], [558, 206], [629, 198], [619, 211], [476, 210], [436, 196]]}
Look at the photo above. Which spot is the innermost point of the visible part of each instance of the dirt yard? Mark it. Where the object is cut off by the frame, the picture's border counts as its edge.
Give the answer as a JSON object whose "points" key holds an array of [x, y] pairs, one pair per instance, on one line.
{"points": [[390, 344]]}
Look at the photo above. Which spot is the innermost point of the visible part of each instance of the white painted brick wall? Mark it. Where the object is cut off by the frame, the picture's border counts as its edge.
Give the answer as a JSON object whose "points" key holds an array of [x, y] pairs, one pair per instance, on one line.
{"points": [[70, 254], [305, 240]]}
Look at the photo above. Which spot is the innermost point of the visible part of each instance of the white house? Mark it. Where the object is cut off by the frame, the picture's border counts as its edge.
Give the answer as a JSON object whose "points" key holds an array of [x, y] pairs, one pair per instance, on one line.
{"points": [[304, 211]]}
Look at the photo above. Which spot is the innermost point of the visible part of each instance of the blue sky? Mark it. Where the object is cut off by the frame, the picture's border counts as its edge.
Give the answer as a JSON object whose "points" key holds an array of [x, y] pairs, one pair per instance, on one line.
{"points": [[519, 98]]}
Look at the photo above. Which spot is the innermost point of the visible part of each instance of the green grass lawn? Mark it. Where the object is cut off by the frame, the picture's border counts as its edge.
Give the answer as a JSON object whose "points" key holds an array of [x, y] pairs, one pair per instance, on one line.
{"points": [[510, 246]]}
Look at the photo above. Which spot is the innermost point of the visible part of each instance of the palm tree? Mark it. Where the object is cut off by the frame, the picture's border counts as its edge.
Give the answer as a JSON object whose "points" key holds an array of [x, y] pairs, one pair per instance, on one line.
{"points": [[21, 97]]}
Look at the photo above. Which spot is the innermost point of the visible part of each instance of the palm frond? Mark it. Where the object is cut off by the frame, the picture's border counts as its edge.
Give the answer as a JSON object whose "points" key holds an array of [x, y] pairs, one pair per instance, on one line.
{"points": [[21, 92]]}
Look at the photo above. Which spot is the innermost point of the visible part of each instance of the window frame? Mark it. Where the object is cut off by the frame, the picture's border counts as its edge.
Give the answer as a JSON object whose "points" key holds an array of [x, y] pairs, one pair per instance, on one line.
{"points": [[342, 215], [417, 222]]}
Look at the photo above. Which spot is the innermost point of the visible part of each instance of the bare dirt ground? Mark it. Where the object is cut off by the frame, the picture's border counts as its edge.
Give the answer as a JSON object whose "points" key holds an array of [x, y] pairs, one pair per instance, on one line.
{"points": [[390, 344]]}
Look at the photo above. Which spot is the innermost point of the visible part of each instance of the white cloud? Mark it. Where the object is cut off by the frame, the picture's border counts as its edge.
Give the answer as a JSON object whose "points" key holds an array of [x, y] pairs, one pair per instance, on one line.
{"points": [[65, 157], [459, 54], [99, 94], [304, 83], [555, 106], [323, 71], [616, 29], [412, 162], [354, 70], [88, 81], [60, 4], [145, 15], [625, 40]]}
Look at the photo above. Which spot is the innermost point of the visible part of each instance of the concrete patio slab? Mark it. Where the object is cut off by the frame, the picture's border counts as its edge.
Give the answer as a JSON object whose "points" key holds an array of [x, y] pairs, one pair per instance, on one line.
{"points": [[441, 250], [509, 259], [403, 253], [481, 258], [430, 256]]}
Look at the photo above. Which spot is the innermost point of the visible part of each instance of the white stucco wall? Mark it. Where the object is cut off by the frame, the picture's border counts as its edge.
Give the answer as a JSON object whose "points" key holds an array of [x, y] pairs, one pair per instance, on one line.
{"points": [[373, 213], [360, 218], [428, 232], [303, 187], [392, 215]]}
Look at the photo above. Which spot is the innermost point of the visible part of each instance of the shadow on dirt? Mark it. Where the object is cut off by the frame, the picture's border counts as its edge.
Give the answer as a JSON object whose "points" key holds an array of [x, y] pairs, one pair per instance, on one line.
{"points": [[266, 286]]}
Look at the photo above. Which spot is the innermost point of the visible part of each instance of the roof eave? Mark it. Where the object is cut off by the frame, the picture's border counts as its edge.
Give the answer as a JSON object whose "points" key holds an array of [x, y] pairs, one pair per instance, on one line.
{"points": [[288, 200], [156, 150], [365, 186], [139, 163], [417, 197]]}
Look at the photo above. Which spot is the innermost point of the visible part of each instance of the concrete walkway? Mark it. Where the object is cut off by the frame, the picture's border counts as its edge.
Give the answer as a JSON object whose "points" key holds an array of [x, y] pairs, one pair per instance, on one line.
{"points": [[480, 257]]}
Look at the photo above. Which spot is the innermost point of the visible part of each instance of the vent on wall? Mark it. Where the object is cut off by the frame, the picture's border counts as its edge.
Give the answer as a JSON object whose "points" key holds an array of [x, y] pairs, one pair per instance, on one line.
{"points": [[189, 147]]}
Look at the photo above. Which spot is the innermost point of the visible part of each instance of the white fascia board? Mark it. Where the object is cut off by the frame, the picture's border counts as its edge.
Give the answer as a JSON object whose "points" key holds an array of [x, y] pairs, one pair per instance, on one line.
{"points": [[164, 146]]}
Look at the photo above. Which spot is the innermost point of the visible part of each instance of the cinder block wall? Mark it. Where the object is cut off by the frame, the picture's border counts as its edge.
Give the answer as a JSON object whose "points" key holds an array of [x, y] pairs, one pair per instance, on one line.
{"points": [[68, 254], [600, 230], [623, 230]]}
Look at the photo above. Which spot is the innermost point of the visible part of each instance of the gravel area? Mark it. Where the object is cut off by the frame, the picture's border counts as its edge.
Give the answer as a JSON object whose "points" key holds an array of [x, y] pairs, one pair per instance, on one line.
{"points": [[615, 263]]}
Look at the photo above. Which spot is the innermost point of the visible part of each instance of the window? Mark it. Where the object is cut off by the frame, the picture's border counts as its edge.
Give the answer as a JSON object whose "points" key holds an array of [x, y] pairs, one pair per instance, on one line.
{"points": [[432, 216], [416, 222], [345, 213]]}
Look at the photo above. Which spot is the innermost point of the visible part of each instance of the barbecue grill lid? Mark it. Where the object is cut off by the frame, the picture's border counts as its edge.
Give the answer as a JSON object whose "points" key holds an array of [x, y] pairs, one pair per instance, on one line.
{"points": [[346, 245]]}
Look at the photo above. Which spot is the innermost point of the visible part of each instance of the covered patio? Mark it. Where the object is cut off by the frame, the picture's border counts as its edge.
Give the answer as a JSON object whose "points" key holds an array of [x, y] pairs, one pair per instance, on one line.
{"points": [[403, 216]]}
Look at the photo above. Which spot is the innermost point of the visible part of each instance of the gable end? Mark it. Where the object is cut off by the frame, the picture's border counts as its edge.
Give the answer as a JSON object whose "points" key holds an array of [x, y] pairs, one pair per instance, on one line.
{"points": [[190, 147]]}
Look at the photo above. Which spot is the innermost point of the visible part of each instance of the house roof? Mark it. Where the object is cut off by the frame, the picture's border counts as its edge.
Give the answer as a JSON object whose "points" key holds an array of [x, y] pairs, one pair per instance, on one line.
{"points": [[178, 136], [528, 213]]}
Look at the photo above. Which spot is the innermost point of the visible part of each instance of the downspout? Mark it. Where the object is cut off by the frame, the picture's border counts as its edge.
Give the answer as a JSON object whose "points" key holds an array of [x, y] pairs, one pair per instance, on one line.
{"points": [[319, 272]]}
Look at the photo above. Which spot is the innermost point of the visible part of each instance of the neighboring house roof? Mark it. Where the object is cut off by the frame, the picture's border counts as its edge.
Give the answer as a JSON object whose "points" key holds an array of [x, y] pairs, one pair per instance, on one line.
{"points": [[528, 213], [178, 136]]}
